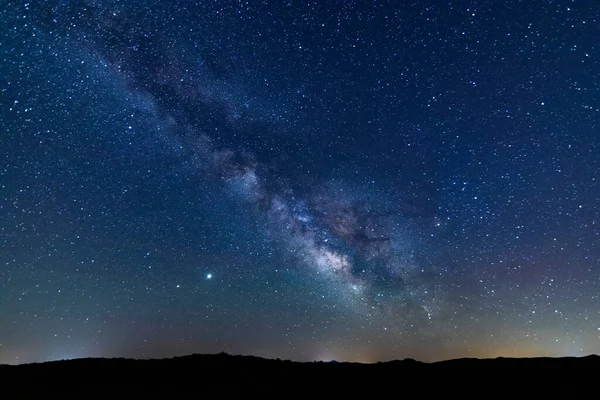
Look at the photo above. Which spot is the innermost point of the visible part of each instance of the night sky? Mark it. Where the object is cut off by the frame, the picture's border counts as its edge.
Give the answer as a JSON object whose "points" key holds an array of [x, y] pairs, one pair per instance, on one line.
{"points": [[308, 180]]}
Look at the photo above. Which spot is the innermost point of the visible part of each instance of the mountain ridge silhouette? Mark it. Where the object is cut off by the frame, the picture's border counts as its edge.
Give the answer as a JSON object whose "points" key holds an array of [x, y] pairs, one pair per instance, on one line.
{"points": [[240, 375]]}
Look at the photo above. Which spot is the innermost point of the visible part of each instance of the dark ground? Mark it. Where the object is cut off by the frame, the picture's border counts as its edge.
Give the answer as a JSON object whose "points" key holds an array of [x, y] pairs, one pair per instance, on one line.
{"points": [[222, 375]]}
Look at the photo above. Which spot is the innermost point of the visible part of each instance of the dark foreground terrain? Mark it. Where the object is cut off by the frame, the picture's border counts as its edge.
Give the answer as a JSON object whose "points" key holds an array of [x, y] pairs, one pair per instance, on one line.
{"points": [[222, 375]]}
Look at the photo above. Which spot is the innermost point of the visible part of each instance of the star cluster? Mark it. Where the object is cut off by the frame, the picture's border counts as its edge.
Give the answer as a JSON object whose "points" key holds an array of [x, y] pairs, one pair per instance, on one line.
{"points": [[303, 180]]}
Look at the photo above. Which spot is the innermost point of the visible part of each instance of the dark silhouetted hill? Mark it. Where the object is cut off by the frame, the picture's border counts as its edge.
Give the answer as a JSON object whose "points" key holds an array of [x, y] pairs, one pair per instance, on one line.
{"points": [[218, 375]]}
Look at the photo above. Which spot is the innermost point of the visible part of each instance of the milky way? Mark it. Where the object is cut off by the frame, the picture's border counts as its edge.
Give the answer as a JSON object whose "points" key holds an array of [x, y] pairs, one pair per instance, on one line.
{"points": [[340, 236], [298, 180]]}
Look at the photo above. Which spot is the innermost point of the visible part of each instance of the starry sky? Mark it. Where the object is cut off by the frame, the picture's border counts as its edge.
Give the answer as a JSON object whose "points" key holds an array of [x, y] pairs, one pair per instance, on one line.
{"points": [[309, 180]]}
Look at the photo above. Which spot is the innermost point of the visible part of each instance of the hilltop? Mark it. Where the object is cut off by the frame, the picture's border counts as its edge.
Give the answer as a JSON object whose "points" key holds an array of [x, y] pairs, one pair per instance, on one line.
{"points": [[223, 374]]}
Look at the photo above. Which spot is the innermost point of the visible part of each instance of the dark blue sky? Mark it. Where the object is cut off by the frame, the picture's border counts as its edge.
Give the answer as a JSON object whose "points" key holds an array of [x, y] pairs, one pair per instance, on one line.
{"points": [[307, 180]]}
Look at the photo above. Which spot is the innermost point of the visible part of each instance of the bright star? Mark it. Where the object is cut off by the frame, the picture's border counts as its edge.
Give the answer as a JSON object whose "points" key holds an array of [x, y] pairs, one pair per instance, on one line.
{"points": [[208, 276]]}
